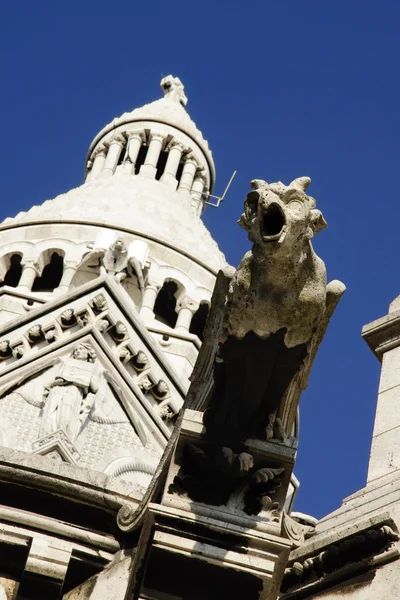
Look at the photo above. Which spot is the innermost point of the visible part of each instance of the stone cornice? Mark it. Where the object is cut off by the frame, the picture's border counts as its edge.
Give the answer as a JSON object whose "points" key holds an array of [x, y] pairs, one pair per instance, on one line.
{"points": [[339, 556], [383, 334]]}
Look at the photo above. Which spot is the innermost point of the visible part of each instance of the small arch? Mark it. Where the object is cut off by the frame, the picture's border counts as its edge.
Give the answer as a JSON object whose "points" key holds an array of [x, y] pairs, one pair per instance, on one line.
{"points": [[14, 271], [162, 161], [51, 274], [140, 158], [165, 304], [179, 172], [199, 320], [122, 155]]}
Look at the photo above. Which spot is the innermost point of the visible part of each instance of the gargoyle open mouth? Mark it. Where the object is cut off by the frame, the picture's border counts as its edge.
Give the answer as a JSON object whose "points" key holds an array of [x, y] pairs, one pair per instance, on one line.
{"points": [[273, 222]]}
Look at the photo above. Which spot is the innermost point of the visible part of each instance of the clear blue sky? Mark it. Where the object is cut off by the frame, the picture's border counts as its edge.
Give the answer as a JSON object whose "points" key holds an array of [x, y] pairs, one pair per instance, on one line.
{"points": [[280, 89]]}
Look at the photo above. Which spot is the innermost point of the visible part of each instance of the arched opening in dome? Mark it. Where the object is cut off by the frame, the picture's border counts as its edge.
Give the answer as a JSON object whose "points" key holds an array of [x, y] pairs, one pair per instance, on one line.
{"points": [[179, 172], [165, 304], [13, 274], [140, 158], [51, 274], [162, 161], [122, 155], [199, 320]]}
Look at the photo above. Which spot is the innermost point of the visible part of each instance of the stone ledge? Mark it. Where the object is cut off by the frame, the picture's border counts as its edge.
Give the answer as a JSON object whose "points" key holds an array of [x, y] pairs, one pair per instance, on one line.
{"points": [[67, 481], [383, 334]]}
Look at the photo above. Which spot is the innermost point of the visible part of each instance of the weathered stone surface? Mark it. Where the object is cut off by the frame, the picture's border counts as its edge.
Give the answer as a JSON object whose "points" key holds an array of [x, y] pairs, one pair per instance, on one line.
{"points": [[112, 582], [274, 316]]}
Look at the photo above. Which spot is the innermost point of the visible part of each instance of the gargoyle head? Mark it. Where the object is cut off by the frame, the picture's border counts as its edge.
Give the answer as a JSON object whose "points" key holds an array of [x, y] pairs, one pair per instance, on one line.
{"points": [[280, 215]]}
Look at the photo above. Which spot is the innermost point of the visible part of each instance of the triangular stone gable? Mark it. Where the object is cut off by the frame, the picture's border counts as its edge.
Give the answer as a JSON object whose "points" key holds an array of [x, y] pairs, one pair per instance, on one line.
{"points": [[121, 425]]}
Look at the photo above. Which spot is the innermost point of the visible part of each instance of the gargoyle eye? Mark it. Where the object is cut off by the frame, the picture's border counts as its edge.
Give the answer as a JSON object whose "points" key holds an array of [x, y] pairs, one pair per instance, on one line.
{"points": [[296, 206], [252, 200]]}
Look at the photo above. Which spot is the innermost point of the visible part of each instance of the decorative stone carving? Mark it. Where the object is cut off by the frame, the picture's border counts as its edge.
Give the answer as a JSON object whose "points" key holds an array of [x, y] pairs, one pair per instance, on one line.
{"points": [[212, 474], [160, 390], [35, 334], [125, 355], [18, 351], [274, 316], [68, 318], [5, 349], [51, 335], [166, 412], [98, 304], [145, 384], [140, 361], [68, 399], [100, 150], [103, 325], [118, 139], [119, 332], [83, 318], [295, 531], [116, 261], [173, 89], [354, 549], [58, 446]]}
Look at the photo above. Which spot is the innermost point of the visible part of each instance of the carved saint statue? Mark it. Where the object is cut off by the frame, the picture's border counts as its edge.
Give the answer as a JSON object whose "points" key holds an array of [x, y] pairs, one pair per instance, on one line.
{"points": [[69, 398], [118, 260], [71, 391], [270, 321]]}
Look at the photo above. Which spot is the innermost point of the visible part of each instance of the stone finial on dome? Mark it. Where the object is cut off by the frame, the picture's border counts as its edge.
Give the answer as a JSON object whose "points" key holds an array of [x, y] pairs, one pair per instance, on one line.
{"points": [[173, 89]]}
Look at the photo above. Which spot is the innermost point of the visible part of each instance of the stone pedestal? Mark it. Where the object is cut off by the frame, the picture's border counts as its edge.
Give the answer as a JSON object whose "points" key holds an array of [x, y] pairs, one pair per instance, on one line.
{"points": [[201, 548]]}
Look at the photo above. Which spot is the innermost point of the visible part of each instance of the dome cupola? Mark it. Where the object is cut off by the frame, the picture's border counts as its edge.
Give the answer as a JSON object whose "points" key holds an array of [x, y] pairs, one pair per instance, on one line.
{"points": [[157, 141]]}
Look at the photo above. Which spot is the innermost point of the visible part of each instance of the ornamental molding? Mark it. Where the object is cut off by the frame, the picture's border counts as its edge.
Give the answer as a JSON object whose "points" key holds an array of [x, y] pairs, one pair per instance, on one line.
{"points": [[345, 554], [142, 382]]}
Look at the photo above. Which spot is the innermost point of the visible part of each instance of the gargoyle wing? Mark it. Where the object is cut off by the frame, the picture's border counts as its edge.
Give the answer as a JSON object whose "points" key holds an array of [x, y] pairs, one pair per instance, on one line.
{"points": [[201, 378], [92, 258], [290, 401]]}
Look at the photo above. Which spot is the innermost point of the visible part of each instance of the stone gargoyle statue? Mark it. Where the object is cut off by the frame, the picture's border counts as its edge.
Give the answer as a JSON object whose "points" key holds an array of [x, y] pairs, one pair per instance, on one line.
{"points": [[266, 322]]}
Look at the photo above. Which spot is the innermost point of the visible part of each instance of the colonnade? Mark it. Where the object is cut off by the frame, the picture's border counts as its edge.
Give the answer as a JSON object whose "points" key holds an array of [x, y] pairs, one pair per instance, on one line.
{"points": [[30, 270], [191, 180], [186, 307]]}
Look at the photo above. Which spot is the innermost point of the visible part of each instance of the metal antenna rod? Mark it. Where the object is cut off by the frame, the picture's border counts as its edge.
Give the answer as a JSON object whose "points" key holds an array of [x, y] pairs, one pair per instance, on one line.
{"points": [[219, 198]]}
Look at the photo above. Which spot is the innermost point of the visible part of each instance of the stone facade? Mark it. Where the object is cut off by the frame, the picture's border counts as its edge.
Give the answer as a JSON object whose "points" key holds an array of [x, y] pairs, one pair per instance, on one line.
{"points": [[117, 310]]}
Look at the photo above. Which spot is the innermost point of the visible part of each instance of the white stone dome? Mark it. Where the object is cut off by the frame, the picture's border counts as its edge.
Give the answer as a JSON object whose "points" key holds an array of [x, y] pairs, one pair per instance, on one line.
{"points": [[133, 204], [167, 110]]}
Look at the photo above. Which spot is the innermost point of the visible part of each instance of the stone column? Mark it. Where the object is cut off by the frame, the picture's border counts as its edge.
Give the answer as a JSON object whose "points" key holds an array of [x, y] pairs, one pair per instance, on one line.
{"points": [[135, 142], [69, 271], [186, 309], [149, 299], [115, 146], [149, 169], [197, 191], [30, 270], [98, 162], [188, 173], [383, 337], [175, 150]]}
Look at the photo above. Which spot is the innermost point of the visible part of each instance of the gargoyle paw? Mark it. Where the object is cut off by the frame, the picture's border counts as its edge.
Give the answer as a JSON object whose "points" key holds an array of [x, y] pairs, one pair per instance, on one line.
{"points": [[246, 461]]}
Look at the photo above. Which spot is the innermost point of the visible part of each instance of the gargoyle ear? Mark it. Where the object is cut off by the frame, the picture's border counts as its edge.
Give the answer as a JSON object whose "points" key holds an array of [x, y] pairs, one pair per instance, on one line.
{"points": [[301, 183], [258, 183], [318, 222]]}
